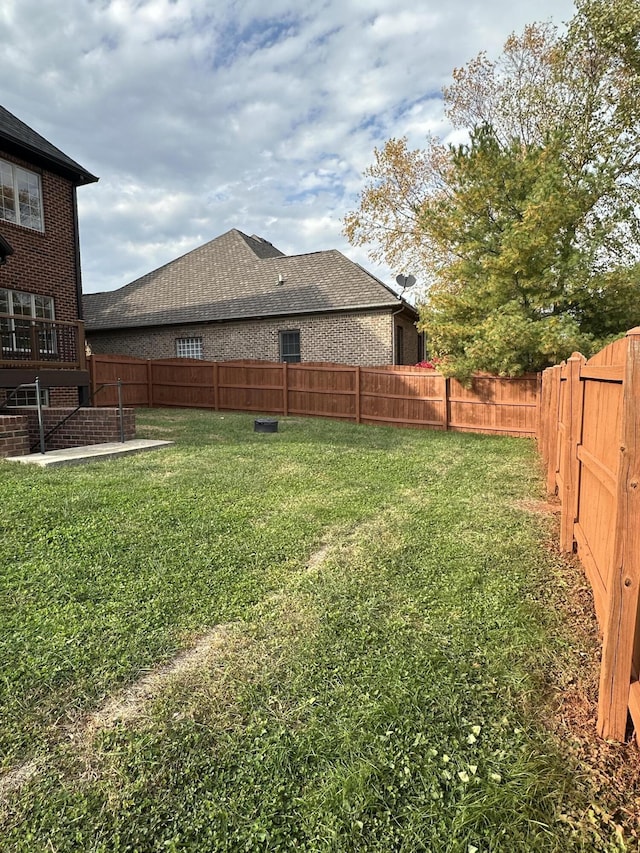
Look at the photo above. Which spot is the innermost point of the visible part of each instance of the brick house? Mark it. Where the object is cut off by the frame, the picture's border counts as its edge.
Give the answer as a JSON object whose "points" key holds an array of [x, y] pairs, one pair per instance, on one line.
{"points": [[239, 297], [41, 333], [41, 330]]}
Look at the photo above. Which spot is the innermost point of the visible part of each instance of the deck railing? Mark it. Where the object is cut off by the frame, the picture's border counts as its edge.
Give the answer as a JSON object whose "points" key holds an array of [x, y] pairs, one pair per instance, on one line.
{"points": [[37, 342]]}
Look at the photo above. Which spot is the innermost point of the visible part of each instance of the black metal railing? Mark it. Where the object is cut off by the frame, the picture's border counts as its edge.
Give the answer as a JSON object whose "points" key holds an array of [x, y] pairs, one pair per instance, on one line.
{"points": [[42, 436]]}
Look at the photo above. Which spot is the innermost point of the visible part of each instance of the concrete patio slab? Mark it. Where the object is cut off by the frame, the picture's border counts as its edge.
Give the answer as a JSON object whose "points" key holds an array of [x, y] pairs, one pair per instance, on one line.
{"points": [[89, 453]]}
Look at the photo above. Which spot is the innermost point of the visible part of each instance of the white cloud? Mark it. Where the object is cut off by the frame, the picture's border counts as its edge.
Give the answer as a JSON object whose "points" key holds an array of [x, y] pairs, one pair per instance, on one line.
{"points": [[199, 117]]}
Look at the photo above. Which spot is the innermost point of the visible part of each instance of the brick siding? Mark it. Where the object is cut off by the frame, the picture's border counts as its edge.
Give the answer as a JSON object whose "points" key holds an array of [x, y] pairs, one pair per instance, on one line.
{"points": [[44, 262], [86, 426], [363, 338], [14, 435]]}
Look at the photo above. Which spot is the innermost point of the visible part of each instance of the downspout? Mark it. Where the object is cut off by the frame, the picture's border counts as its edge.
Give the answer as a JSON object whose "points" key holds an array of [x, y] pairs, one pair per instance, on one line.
{"points": [[393, 334]]}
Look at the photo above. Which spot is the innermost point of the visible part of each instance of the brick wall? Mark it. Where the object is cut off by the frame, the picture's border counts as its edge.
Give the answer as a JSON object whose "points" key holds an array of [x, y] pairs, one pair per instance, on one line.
{"points": [[45, 262], [86, 426], [63, 397], [14, 435], [351, 338]]}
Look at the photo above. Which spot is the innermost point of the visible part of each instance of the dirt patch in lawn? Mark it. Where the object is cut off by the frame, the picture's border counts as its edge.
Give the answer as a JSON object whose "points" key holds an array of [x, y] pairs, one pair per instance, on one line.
{"points": [[207, 677], [319, 557], [130, 703], [540, 507], [19, 776]]}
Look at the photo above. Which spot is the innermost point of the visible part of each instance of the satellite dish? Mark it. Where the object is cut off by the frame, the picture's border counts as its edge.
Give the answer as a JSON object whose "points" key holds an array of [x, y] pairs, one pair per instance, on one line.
{"points": [[405, 281]]}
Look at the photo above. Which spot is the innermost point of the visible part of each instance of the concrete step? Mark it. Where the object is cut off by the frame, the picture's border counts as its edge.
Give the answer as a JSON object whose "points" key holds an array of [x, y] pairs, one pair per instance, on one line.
{"points": [[89, 453]]}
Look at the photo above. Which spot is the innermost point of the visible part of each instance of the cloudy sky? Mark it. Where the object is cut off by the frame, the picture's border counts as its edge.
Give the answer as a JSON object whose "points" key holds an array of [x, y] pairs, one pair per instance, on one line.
{"points": [[204, 115]]}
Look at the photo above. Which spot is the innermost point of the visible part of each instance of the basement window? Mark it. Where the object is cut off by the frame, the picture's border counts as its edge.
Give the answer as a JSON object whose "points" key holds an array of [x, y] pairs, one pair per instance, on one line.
{"points": [[189, 347], [27, 397]]}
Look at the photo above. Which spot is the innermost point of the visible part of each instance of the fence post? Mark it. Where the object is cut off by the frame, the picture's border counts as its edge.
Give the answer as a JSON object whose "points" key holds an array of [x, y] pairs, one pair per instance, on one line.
{"points": [[554, 379], [624, 575], [357, 397], [149, 384], [285, 388], [120, 411], [216, 382], [542, 432], [572, 418], [446, 392]]}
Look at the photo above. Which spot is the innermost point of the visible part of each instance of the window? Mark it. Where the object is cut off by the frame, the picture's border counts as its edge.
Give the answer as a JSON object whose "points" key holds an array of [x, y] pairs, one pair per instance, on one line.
{"points": [[27, 397], [20, 196], [16, 330], [399, 345], [189, 347], [290, 346]]}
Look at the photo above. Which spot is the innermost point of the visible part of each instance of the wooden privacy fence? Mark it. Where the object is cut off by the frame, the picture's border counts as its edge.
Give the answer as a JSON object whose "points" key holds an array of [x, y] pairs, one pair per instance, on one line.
{"points": [[396, 396], [589, 440]]}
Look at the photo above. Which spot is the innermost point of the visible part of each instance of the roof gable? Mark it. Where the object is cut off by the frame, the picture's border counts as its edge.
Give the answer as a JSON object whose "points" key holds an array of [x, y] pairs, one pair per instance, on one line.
{"points": [[19, 139], [236, 277]]}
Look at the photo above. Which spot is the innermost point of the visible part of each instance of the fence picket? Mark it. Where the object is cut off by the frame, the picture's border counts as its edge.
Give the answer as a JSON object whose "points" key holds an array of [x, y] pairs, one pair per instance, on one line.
{"points": [[624, 577], [572, 418]]}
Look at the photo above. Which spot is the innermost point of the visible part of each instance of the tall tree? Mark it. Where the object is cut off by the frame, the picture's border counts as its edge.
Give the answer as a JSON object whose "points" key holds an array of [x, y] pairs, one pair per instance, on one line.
{"points": [[529, 234]]}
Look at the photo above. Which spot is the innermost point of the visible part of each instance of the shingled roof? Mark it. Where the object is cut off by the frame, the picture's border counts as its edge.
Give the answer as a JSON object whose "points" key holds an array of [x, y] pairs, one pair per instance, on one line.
{"points": [[18, 138], [236, 277]]}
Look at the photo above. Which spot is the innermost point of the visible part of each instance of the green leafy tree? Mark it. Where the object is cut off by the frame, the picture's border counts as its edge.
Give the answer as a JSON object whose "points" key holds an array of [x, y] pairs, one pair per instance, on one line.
{"points": [[528, 235]]}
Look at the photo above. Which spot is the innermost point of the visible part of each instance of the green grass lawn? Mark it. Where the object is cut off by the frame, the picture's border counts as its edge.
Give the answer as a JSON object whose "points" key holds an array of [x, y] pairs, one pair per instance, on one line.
{"points": [[391, 696]]}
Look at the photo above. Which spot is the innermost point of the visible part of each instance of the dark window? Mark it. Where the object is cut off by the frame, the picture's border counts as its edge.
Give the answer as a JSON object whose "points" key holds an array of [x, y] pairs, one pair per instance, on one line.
{"points": [[399, 345], [290, 346]]}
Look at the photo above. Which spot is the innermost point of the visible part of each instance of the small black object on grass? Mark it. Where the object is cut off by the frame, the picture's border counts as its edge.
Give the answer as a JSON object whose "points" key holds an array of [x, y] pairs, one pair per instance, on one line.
{"points": [[265, 425]]}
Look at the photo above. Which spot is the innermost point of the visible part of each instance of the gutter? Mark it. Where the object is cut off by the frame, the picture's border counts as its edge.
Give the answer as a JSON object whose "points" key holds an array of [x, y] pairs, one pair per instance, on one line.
{"points": [[155, 324], [64, 165], [393, 334]]}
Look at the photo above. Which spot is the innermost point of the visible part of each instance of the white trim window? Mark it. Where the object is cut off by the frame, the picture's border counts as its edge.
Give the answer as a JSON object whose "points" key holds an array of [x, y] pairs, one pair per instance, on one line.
{"points": [[189, 348], [15, 330], [20, 196]]}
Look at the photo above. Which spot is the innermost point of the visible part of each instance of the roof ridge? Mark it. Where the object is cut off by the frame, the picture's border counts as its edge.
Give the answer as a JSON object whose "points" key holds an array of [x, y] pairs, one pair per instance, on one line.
{"points": [[182, 257], [226, 279], [261, 241]]}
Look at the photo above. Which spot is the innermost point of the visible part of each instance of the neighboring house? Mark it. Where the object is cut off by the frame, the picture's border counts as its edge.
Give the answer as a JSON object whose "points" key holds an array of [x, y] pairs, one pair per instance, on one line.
{"points": [[238, 297], [41, 333]]}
